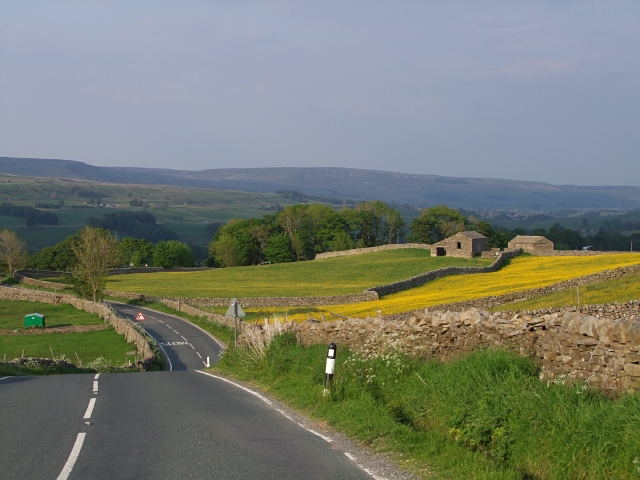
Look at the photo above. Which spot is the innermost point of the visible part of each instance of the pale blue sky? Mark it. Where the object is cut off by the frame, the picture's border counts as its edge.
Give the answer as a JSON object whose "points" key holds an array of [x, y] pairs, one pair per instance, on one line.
{"points": [[530, 90]]}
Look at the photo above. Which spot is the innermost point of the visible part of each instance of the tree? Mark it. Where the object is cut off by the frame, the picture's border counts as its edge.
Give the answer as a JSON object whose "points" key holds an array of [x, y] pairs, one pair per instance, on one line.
{"points": [[96, 252], [136, 251], [278, 249], [173, 253], [13, 251], [440, 222], [393, 224], [291, 218], [341, 241], [225, 250]]}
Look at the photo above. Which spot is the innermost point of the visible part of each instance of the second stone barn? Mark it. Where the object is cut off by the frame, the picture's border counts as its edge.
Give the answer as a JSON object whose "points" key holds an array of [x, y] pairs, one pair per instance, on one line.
{"points": [[462, 244]]}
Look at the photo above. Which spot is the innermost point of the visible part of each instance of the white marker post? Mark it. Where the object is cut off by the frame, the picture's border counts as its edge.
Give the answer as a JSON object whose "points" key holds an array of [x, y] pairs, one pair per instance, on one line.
{"points": [[235, 311], [331, 366]]}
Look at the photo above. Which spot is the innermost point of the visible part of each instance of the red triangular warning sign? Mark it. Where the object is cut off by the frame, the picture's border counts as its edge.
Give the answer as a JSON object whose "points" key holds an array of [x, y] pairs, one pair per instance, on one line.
{"points": [[140, 317]]}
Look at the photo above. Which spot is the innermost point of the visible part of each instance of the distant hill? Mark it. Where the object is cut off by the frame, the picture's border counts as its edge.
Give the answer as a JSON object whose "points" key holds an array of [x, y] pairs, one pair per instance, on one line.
{"points": [[356, 184]]}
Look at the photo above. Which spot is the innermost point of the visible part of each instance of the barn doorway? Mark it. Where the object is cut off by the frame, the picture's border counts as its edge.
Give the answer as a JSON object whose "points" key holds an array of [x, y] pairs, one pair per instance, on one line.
{"points": [[441, 252]]}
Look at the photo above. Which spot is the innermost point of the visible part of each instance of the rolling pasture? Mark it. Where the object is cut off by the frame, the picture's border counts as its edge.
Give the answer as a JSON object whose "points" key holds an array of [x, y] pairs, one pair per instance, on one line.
{"points": [[331, 276], [620, 290], [521, 273]]}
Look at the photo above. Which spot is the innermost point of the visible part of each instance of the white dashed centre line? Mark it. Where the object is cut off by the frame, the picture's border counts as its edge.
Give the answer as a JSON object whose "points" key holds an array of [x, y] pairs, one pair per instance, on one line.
{"points": [[177, 333], [89, 411], [199, 354], [71, 461], [183, 338], [97, 376], [204, 363], [95, 386], [192, 346], [8, 377]]}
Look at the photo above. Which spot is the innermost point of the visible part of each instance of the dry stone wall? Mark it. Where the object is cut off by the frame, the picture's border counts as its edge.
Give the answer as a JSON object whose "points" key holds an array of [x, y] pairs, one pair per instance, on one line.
{"points": [[440, 273], [121, 325], [380, 248], [600, 346], [572, 253]]}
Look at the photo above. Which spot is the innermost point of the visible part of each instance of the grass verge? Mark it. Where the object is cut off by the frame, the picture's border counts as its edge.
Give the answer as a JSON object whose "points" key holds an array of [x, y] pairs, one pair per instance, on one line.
{"points": [[484, 416]]}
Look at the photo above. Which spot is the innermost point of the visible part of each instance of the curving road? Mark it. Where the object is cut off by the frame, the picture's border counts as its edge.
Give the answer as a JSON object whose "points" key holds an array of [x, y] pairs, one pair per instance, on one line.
{"points": [[169, 425]]}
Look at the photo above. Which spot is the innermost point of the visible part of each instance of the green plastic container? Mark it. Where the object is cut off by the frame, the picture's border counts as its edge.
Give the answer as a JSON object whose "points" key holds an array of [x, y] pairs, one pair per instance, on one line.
{"points": [[34, 320]]}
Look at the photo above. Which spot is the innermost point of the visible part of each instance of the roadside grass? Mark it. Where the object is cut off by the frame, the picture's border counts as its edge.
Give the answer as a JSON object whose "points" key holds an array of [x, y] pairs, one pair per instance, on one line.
{"points": [[21, 370], [12, 314], [221, 332], [483, 416], [331, 276], [88, 346], [520, 273], [621, 290]]}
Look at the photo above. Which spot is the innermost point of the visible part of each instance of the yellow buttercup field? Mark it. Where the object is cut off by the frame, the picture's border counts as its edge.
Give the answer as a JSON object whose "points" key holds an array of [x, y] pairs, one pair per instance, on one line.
{"points": [[522, 273]]}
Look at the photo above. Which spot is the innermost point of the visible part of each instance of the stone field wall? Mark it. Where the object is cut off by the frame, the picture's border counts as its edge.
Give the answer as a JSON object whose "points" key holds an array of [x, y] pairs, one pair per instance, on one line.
{"points": [[121, 325], [440, 273], [380, 248], [600, 345]]}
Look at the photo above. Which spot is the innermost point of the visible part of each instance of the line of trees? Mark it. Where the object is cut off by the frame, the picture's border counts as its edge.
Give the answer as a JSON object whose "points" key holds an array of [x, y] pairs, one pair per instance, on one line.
{"points": [[31, 215], [299, 232]]}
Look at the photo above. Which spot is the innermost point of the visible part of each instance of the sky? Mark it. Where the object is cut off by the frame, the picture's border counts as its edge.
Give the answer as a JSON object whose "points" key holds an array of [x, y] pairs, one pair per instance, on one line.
{"points": [[527, 90]]}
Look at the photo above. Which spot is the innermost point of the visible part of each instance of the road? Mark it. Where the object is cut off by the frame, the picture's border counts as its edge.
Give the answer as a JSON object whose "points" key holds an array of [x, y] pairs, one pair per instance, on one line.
{"points": [[174, 424]]}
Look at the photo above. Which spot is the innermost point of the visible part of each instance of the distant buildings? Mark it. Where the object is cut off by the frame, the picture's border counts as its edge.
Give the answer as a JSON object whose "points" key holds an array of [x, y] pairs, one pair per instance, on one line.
{"points": [[462, 245], [531, 243]]}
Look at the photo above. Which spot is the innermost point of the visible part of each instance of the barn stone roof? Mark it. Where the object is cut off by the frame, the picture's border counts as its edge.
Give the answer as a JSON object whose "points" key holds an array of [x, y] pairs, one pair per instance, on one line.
{"points": [[472, 235], [531, 239]]}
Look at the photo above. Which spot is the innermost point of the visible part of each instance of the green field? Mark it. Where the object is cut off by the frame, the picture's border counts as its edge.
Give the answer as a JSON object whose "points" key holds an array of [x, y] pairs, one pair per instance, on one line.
{"points": [[621, 290], [12, 314], [331, 276], [87, 345]]}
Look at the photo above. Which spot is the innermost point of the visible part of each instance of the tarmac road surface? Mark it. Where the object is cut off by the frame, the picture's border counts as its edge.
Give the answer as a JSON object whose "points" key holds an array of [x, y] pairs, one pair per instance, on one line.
{"points": [[167, 425]]}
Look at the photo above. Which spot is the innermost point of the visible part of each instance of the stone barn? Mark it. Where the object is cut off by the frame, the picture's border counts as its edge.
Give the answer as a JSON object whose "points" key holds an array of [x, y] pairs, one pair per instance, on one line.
{"points": [[462, 244], [531, 244]]}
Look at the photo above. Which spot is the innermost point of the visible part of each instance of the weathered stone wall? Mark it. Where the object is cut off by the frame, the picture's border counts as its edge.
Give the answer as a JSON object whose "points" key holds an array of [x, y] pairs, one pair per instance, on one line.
{"points": [[380, 248], [423, 278], [259, 302], [572, 253], [600, 347], [180, 306], [494, 301], [121, 325]]}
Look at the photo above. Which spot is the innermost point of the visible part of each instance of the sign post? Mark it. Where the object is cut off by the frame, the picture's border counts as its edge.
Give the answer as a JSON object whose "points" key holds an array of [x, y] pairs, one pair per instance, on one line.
{"points": [[235, 311]]}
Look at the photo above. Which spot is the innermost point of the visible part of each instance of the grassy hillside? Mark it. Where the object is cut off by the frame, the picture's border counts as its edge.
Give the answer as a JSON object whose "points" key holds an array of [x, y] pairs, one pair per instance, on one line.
{"points": [[331, 276], [522, 273], [186, 210], [621, 290]]}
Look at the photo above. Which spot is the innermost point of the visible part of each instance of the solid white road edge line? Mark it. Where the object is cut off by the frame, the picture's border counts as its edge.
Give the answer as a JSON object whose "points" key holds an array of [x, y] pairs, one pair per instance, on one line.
{"points": [[325, 438], [71, 461], [248, 390], [269, 402], [89, 411], [163, 350], [3, 378], [353, 459]]}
